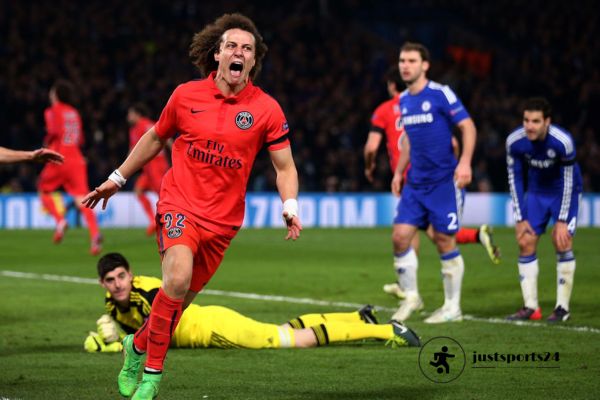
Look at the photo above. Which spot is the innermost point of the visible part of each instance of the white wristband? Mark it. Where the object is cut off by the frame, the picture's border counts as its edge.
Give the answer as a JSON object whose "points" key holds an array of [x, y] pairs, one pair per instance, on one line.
{"points": [[290, 207], [117, 178]]}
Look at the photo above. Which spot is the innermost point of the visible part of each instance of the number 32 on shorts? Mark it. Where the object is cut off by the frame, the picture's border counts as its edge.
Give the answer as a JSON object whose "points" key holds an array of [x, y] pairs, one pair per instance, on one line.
{"points": [[174, 230]]}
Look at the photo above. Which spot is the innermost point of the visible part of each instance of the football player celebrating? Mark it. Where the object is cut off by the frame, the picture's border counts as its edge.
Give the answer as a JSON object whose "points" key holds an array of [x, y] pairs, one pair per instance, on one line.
{"points": [[223, 121]]}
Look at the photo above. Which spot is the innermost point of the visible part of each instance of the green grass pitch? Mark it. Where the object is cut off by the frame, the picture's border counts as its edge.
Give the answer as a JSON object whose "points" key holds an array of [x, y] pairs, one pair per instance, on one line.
{"points": [[43, 322]]}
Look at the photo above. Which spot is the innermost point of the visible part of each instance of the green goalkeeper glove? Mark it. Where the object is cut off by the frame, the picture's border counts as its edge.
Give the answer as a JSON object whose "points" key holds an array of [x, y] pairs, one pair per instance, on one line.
{"points": [[94, 343], [108, 329]]}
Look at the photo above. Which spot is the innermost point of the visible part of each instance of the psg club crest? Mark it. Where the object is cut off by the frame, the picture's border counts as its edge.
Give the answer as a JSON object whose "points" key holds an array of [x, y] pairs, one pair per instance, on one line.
{"points": [[174, 233], [244, 120]]}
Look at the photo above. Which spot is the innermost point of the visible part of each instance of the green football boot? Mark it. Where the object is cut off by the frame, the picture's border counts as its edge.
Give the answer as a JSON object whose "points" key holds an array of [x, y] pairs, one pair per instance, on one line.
{"points": [[148, 388], [128, 377]]}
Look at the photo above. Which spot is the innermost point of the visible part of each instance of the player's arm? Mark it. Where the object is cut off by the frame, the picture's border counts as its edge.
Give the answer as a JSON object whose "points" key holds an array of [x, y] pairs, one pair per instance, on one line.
{"points": [[39, 155], [561, 233], [149, 145], [463, 173], [370, 153], [403, 161], [287, 186], [514, 165]]}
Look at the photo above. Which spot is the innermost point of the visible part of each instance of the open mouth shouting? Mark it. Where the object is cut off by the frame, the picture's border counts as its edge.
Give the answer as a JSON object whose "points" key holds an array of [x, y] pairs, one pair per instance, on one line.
{"points": [[236, 69]]}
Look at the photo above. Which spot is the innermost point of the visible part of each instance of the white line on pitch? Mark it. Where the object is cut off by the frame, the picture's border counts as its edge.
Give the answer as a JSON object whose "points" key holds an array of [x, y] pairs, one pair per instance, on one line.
{"points": [[296, 300]]}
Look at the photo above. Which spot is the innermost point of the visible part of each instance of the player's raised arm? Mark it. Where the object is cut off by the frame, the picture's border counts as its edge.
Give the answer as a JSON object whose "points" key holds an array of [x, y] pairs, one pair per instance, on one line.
{"points": [[145, 150], [287, 186], [463, 173]]}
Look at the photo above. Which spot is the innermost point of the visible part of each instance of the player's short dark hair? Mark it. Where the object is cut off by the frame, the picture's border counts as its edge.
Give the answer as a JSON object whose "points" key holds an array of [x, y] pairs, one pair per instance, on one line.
{"points": [[414, 46], [109, 262], [393, 75], [140, 108], [65, 91], [207, 42], [538, 104]]}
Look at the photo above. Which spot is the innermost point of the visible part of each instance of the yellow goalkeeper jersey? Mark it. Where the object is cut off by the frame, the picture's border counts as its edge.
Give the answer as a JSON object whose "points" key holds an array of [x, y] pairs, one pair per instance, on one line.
{"points": [[143, 291], [206, 326]]}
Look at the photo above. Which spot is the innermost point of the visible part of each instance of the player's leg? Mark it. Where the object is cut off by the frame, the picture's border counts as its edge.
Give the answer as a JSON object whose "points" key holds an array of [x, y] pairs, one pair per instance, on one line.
{"points": [[76, 184], [132, 360], [51, 179], [365, 315], [142, 184], [164, 317], [185, 273], [339, 331], [177, 240], [410, 215], [467, 235], [406, 265], [483, 235], [92, 223], [528, 276], [565, 258], [394, 288], [444, 205], [48, 201], [538, 214]]}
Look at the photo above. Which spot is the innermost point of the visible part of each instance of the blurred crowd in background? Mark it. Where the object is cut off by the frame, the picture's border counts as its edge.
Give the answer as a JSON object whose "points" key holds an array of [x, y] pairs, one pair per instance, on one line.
{"points": [[325, 66]]}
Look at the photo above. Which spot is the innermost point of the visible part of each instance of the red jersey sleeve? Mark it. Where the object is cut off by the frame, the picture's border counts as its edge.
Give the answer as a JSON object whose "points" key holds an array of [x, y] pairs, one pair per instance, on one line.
{"points": [[166, 126], [378, 121], [277, 129]]}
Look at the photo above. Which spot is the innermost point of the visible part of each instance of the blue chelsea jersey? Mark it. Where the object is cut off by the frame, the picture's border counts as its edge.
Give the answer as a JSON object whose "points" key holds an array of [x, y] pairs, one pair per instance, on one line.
{"points": [[428, 118], [551, 165]]}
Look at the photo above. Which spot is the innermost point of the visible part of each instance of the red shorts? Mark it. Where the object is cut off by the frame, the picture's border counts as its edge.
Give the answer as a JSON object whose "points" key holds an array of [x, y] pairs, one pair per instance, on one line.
{"points": [[72, 176], [174, 227]]}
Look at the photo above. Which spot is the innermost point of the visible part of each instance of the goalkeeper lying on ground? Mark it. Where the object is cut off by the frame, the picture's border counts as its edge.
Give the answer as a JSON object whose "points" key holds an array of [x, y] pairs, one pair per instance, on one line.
{"points": [[129, 299]]}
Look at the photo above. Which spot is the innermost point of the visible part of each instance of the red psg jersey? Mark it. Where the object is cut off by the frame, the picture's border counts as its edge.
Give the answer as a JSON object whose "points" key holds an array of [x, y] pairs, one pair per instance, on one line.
{"points": [[63, 130], [219, 138], [386, 120]]}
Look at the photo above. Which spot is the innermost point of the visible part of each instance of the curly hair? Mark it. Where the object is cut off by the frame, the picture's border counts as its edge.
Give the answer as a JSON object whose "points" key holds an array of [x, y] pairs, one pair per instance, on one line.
{"points": [[207, 42]]}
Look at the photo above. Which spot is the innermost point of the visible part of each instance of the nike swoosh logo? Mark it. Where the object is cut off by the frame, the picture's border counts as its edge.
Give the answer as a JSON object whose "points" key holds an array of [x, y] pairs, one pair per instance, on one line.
{"points": [[196, 111], [403, 329]]}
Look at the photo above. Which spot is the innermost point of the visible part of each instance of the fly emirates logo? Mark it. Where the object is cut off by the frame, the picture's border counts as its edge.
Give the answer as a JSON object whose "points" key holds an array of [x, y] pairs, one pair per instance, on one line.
{"points": [[212, 153], [425, 118]]}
